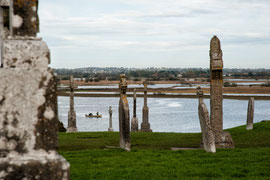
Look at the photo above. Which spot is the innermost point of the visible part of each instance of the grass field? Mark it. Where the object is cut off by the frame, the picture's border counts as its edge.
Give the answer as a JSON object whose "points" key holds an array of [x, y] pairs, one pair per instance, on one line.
{"points": [[151, 157]]}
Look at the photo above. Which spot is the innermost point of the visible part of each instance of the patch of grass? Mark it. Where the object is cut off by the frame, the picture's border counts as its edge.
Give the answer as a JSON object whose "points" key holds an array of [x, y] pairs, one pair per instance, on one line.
{"points": [[151, 157]]}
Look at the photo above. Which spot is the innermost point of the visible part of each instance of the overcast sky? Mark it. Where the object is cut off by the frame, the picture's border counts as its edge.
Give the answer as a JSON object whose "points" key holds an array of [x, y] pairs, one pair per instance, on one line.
{"points": [[155, 33]]}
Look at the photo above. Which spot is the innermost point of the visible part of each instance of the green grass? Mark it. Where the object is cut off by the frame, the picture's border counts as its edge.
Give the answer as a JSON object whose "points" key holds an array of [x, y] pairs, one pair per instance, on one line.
{"points": [[151, 157]]}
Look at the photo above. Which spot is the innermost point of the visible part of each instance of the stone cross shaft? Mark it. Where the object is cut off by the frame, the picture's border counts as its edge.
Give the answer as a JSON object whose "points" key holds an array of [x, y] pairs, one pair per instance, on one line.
{"points": [[250, 114], [134, 121], [216, 84], [145, 126], [28, 101], [208, 136], [145, 93], [124, 118], [72, 113], [134, 103], [222, 139], [110, 119]]}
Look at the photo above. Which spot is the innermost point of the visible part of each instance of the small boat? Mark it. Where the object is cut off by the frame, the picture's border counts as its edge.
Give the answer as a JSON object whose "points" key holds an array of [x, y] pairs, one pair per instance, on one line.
{"points": [[93, 116]]}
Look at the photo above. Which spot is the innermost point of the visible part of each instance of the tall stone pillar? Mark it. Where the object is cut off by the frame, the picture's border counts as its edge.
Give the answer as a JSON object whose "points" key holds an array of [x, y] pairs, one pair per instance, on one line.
{"points": [[71, 113], [134, 121], [250, 114], [145, 126], [208, 135], [222, 139], [28, 115], [110, 119], [124, 122]]}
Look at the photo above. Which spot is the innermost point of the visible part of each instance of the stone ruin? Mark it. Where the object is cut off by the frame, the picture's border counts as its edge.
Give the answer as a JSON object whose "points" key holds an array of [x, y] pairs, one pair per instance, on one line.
{"points": [[222, 139], [250, 114], [208, 136], [110, 119], [124, 122], [145, 126], [134, 121], [71, 113], [28, 109]]}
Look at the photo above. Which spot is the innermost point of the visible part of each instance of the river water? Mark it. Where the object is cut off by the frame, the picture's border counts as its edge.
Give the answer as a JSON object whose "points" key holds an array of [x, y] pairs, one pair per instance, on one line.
{"points": [[165, 114]]}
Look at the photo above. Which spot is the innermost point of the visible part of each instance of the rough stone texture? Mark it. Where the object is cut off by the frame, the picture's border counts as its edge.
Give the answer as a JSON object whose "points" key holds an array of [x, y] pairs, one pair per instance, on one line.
{"points": [[110, 120], [250, 113], [35, 54], [134, 121], [222, 139], [207, 132], [4, 17], [28, 111], [145, 126], [28, 130], [1, 34], [46, 167], [71, 113], [4, 2], [124, 122], [25, 20]]}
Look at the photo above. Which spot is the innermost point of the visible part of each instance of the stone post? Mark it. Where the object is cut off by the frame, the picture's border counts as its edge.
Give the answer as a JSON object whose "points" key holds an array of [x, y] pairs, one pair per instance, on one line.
{"points": [[250, 114], [28, 115], [145, 126], [124, 122], [207, 132], [134, 122], [110, 119], [222, 139], [71, 113]]}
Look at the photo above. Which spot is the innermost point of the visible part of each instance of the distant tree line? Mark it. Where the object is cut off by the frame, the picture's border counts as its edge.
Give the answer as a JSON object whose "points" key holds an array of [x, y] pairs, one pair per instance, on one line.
{"points": [[154, 74]]}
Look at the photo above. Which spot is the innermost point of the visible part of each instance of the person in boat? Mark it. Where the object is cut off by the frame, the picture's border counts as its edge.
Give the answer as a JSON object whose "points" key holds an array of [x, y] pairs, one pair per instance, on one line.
{"points": [[97, 113], [90, 114]]}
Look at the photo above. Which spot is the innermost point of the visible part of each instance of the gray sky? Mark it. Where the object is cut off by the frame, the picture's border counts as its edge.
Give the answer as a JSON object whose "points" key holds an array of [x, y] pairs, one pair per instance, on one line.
{"points": [[155, 33]]}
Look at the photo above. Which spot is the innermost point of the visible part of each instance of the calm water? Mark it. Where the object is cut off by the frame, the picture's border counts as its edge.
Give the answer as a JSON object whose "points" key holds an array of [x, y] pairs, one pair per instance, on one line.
{"points": [[166, 115]]}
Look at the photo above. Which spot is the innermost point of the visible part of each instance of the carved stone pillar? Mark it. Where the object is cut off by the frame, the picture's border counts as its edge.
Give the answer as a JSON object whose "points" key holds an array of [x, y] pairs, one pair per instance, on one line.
{"points": [[250, 114], [124, 122], [110, 119], [71, 113], [222, 139], [145, 126], [134, 121], [208, 135], [28, 109]]}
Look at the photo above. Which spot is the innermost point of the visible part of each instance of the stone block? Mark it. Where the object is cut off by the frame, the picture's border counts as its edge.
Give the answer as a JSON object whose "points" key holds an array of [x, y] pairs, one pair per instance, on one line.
{"points": [[134, 124], [27, 54], [28, 125], [25, 20]]}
